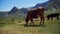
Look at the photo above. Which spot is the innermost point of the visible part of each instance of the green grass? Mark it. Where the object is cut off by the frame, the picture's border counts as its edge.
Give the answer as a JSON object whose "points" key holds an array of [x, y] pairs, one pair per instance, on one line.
{"points": [[7, 26], [14, 27]]}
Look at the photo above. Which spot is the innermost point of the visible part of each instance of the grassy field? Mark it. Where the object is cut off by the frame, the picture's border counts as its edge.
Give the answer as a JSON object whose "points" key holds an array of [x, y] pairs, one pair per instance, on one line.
{"points": [[15, 27]]}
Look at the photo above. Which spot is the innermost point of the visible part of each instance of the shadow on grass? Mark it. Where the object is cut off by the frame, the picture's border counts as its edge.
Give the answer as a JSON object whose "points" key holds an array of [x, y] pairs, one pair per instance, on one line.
{"points": [[33, 25], [2, 24]]}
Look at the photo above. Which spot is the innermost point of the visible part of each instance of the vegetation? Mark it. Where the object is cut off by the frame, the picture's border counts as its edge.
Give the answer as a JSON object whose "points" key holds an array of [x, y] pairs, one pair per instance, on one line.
{"points": [[16, 26], [13, 22]]}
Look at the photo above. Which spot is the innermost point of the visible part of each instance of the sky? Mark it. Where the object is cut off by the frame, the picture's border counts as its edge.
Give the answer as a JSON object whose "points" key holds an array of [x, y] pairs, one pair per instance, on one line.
{"points": [[7, 5]]}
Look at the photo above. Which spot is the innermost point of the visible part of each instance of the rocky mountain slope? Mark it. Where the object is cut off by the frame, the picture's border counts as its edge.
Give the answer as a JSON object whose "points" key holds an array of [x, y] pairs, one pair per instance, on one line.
{"points": [[22, 12]]}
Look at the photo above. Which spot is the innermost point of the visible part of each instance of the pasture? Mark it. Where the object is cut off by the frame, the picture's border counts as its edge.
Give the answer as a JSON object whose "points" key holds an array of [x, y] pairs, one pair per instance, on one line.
{"points": [[8, 26], [14, 27]]}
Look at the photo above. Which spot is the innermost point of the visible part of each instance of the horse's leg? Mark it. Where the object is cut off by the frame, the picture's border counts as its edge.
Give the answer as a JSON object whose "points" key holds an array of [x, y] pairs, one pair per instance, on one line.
{"points": [[27, 20], [42, 20], [51, 18], [31, 22], [57, 17], [48, 18]]}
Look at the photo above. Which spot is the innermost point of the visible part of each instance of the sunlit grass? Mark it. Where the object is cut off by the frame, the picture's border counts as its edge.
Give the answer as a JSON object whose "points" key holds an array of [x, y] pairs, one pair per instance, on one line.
{"points": [[51, 27], [16, 26]]}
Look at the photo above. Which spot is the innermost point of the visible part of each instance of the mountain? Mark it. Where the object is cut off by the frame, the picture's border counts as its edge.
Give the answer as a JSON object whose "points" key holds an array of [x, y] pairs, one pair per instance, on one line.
{"points": [[51, 4], [41, 4], [23, 10], [54, 4], [45, 4], [19, 13], [13, 10], [3, 14]]}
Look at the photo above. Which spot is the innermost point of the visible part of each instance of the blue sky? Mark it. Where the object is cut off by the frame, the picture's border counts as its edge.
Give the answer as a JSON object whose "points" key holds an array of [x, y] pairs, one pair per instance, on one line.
{"points": [[7, 5]]}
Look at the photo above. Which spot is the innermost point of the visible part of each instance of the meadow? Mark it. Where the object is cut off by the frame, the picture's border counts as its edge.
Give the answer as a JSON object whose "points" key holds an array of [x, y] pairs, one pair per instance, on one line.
{"points": [[9, 26]]}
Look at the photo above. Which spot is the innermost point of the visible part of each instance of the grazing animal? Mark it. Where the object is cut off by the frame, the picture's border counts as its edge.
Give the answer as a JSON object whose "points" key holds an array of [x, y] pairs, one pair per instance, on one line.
{"points": [[35, 13], [51, 16]]}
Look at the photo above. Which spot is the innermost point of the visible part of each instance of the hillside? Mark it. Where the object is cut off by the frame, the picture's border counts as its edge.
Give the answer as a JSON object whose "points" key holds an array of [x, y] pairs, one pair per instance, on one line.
{"points": [[50, 5], [54, 4]]}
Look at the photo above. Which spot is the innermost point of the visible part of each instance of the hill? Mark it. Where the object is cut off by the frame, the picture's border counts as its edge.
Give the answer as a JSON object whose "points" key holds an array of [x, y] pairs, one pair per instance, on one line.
{"points": [[15, 12]]}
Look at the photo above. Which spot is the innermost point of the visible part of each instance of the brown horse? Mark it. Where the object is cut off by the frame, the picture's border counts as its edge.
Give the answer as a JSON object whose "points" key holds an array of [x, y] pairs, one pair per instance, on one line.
{"points": [[35, 13]]}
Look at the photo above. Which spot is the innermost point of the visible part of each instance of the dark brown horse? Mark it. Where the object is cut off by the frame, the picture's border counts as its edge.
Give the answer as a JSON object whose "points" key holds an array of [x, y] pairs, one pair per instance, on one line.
{"points": [[34, 13], [53, 15]]}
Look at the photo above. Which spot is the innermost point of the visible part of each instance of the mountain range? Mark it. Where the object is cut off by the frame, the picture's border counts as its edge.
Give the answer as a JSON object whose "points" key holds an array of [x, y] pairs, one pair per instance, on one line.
{"points": [[15, 12]]}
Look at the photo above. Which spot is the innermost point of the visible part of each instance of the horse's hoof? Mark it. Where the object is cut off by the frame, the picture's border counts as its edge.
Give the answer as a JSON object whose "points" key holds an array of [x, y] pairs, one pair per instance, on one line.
{"points": [[33, 25], [40, 24], [26, 25]]}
